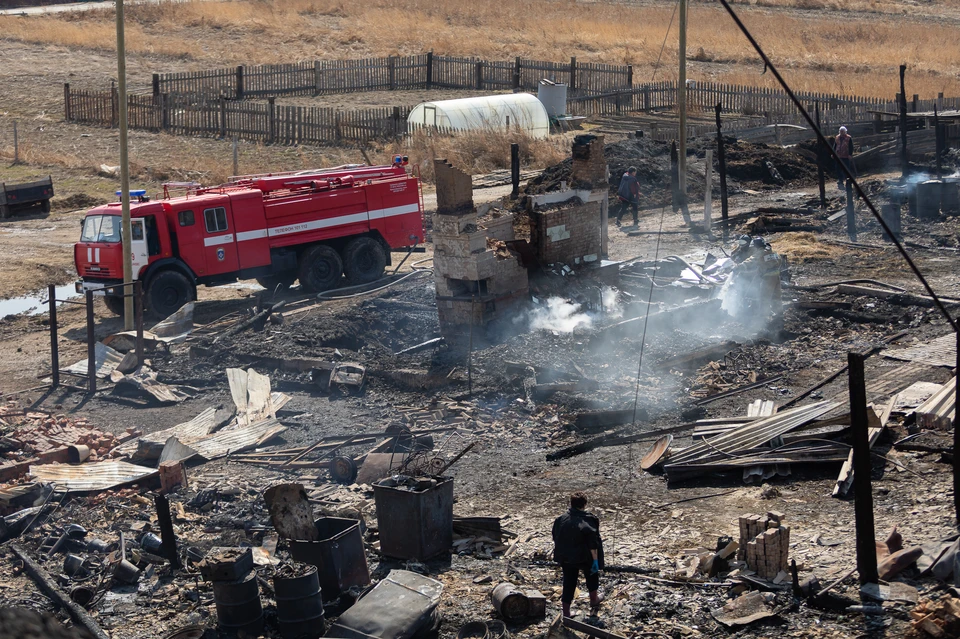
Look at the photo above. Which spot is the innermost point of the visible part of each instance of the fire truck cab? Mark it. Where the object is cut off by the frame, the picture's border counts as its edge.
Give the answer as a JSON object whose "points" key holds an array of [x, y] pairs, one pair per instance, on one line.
{"points": [[311, 226]]}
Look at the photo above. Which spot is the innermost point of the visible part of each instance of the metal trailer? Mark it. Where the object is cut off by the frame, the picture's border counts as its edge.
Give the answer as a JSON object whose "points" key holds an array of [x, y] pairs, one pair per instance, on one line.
{"points": [[16, 198]]}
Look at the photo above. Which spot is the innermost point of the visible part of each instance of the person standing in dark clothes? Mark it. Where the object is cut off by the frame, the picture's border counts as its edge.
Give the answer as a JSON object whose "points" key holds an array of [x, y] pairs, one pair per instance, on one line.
{"points": [[578, 547], [628, 194], [843, 147]]}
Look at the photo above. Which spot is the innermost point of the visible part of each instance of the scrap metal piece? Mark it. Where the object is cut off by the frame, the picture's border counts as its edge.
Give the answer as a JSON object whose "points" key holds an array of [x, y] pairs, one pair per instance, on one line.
{"points": [[401, 606], [657, 453], [91, 476]]}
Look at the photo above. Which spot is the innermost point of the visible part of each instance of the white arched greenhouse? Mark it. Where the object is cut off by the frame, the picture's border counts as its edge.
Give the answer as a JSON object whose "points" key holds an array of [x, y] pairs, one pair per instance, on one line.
{"points": [[497, 112]]}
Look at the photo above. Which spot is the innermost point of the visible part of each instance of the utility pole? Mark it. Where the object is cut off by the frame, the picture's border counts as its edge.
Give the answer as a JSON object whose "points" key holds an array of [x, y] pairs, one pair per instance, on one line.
{"points": [[682, 98], [125, 231]]}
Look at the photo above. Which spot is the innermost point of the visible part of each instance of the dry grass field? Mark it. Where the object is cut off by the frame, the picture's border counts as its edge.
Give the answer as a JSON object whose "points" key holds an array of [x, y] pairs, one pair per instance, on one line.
{"points": [[851, 46]]}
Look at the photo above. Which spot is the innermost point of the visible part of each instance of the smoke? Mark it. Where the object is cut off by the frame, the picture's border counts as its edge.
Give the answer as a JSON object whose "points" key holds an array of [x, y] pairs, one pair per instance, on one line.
{"points": [[611, 302], [562, 315], [559, 315]]}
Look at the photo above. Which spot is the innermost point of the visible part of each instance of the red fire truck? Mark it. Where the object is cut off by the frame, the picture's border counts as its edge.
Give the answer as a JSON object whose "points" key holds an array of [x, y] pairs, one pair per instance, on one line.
{"points": [[312, 226]]}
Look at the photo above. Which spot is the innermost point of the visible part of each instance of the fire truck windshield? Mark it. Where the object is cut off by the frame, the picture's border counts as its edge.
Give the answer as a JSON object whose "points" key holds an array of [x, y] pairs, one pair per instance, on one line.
{"points": [[101, 228]]}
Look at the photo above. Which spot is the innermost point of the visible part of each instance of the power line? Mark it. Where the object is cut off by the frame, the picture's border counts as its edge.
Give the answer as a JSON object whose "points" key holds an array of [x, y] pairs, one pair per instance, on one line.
{"points": [[665, 36]]}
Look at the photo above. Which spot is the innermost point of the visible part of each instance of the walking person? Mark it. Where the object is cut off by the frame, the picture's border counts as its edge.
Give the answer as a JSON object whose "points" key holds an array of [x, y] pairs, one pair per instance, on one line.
{"points": [[843, 147], [628, 194], [578, 548]]}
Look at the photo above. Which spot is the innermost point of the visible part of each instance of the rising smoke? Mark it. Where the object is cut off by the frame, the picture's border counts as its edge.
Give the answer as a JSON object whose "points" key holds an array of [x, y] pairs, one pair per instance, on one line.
{"points": [[564, 316]]}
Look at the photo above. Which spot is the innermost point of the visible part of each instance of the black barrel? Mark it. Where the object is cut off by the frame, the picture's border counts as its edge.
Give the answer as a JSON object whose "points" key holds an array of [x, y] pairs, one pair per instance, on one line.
{"points": [[238, 604], [299, 605]]}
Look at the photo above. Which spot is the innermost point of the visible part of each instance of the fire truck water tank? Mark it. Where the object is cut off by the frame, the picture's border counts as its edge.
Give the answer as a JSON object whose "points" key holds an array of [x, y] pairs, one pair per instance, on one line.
{"points": [[553, 97], [497, 112]]}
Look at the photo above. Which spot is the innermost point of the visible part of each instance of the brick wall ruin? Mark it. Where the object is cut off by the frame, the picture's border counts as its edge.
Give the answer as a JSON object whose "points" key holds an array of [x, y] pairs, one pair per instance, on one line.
{"points": [[589, 164], [567, 233], [478, 279]]}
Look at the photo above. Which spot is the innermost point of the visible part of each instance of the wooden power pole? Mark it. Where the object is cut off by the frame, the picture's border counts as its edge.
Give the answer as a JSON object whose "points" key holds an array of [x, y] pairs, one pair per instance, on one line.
{"points": [[682, 98], [125, 231]]}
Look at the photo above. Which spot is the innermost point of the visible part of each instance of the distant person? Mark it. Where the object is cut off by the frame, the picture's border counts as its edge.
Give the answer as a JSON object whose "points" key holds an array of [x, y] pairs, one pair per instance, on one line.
{"points": [[629, 195], [578, 547], [843, 147]]}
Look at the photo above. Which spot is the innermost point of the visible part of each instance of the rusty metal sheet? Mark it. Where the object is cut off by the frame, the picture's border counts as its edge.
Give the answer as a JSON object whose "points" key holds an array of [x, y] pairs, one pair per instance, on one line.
{"points": [[941, 351], [225, 442], [656, 453], [376, 466], [93, 476], [251, 394]]}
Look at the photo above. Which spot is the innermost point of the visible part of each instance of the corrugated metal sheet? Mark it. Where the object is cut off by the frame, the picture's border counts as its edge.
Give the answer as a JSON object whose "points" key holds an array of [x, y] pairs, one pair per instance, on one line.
{"points": [[941, 351], [753, 434], [237, 440], [197, 428], [91, 477], [105, 358]]}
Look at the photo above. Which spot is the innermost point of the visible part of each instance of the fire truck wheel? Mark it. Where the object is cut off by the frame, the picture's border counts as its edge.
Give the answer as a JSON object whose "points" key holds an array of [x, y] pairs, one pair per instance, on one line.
{"points": [[167, 292], [114, 304], [364, 260], [320, 268]]}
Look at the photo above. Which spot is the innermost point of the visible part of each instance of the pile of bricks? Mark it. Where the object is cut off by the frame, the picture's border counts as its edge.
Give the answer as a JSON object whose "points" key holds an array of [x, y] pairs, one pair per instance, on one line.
{"points": [[589, 169], [30, 433], [765, 544]]}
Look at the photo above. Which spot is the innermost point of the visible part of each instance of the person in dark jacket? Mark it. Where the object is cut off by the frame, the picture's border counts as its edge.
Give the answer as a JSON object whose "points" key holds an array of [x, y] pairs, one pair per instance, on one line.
{"points": [[628, 194], [843, 147], [578, 547]]}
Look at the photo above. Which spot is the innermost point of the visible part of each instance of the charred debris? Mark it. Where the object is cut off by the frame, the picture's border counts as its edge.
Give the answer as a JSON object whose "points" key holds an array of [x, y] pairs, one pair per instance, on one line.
{"points": [[387, 465]]}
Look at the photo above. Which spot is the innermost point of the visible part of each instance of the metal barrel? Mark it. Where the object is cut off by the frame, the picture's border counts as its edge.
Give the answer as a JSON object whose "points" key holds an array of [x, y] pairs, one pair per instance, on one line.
{"points": [[496, 629], [299, 605], [473, 630], [509, 602], [238, 604]]}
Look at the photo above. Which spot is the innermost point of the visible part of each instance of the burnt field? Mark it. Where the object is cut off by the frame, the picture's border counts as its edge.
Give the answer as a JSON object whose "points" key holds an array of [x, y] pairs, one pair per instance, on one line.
{"points": [[547, 403]]}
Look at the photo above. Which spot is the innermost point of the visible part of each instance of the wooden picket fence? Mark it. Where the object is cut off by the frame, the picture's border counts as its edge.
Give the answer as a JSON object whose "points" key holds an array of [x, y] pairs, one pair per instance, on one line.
{"points": [[255, 120], [424, 71]]}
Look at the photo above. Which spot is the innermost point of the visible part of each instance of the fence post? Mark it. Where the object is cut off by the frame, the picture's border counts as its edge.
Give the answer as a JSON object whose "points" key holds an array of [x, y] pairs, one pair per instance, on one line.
{"points": [[16, 145], [114, 105], [54, 343], [646, 99], [573, 73], [239, 88], [66, 102], [223, 117], [821, 153], [515, 170], [138, 300], [91, 347], [392, 70], [630, 75], [480, 76], [916, 99], [271, 120], [429, 69], [516, 75], [863, 493], [164, 111], [317, 74], [722, 166], [156, 84], [396, 121]]}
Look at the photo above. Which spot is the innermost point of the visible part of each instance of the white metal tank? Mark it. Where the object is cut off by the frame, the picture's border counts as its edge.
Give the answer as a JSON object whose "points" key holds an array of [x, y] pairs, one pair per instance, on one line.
{"points": [[553, 97]]}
